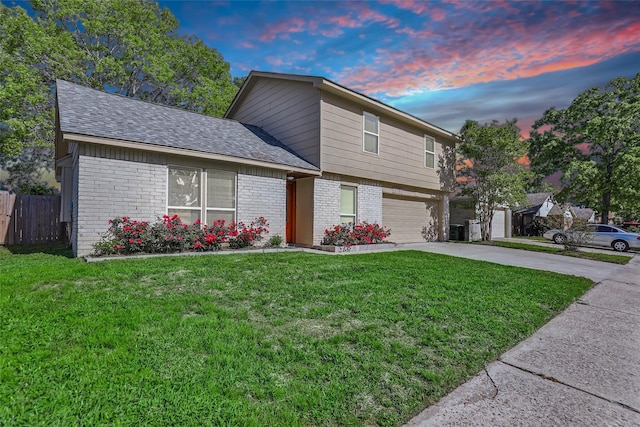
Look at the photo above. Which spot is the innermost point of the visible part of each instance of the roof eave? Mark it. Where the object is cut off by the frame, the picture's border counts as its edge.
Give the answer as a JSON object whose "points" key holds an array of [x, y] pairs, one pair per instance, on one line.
{"points": [[75, 137]]}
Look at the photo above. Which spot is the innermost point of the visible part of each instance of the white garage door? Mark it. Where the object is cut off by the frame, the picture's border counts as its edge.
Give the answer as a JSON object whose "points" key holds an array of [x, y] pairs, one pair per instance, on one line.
{"points": [[497, 226], [406, 217]]}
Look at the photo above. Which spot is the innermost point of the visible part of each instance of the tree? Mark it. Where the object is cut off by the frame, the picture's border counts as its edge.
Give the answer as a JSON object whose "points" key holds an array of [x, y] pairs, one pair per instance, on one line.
{"points": [[130, 47], [595, 144], [488, 168]]}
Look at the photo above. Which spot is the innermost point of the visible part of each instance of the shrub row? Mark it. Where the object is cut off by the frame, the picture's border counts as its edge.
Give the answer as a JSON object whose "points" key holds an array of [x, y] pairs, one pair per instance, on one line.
{"points": [[350, 234], [126, 236]]}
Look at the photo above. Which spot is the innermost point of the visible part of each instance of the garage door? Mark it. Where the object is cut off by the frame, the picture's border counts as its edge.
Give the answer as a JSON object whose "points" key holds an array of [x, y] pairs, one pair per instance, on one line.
{"points": [[497, 226], [406, 217]]}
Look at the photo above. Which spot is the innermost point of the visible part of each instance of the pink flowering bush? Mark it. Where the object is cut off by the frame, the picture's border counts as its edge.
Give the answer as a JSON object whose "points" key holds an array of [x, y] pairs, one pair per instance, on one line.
{"points": [[126, 236], [355, 234]]}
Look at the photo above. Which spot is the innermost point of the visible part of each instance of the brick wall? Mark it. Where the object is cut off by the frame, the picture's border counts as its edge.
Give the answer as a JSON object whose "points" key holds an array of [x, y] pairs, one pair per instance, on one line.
{"points": [[326, 202], [370, 203], [262, 192], [108, 188]]}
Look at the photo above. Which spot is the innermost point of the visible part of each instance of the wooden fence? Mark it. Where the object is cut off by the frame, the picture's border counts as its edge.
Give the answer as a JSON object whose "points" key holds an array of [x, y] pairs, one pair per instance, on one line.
{"points": [[29, 220]]}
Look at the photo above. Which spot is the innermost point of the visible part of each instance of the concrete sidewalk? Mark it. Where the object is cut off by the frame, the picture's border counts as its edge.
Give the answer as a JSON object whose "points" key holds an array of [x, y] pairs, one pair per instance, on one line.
{"points": [[580, 369]]}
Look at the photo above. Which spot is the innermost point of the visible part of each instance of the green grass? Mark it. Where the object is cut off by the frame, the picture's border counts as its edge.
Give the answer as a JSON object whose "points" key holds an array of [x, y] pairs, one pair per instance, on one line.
{"points": [[596, 256], [280, 339]]}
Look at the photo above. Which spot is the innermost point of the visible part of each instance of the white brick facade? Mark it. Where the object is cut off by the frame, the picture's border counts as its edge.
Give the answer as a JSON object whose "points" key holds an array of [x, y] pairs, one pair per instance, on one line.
{"points": [[327, 205], [108, 188], [262, 194], [369, 204], [326, 202]]}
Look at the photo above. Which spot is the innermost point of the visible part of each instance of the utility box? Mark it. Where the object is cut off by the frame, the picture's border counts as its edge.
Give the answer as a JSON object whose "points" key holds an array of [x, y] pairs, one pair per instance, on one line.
{"points": [[472, 230], [456, 232]]}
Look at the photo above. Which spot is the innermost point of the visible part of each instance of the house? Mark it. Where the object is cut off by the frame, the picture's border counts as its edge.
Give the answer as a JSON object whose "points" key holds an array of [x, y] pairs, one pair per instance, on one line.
{"points": [[377, 163], [585, 214], [537, 205], [302, 151]]}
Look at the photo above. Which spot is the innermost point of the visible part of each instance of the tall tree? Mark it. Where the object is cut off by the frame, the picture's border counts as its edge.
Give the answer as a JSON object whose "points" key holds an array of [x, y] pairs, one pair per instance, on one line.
{"points": [[488, 168], [595, 143], [130, 47]]}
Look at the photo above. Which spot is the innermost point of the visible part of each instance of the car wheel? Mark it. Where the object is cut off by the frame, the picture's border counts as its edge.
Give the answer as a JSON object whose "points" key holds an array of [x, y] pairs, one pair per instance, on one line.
{"points": [[620, 246], [558, 238]]}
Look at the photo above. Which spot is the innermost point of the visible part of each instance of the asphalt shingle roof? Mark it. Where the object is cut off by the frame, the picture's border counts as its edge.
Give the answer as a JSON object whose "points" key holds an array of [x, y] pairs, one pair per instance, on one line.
{"points": [[92, 112]]}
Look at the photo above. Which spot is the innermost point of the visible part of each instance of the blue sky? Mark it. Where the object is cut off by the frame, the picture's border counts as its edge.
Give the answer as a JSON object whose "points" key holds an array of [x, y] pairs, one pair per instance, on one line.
{"points": [[443, 61]]}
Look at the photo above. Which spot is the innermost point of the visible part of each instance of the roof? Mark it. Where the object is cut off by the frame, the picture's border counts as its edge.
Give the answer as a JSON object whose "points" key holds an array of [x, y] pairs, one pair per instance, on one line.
{"points": [[331, 86], [537, 199], [584, 213], [90, 112]]}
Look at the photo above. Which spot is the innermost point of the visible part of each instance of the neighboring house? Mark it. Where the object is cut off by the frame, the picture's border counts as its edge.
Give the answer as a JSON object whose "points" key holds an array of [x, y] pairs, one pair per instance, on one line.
{"points": [[302, 151], [585, 214], [537, 205], [561, 216], [378, 163]]}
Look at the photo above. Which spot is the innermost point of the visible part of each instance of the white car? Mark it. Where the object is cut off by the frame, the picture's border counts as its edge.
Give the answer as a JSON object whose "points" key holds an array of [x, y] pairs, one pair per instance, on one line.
{"points": [[601, 235]]}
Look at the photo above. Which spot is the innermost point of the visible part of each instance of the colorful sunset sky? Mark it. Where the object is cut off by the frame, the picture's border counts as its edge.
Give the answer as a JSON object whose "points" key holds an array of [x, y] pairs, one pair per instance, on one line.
{"points": [[442, 61]]}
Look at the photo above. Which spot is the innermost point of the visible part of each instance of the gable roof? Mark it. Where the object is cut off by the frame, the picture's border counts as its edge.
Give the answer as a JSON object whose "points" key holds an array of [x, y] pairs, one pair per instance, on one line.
{"points": [[342, 91], [537, 199], [584, 213], [88, 112]]}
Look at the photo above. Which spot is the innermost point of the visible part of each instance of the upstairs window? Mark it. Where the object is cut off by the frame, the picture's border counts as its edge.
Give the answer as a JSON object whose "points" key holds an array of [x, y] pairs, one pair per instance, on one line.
{"points": [[347, 204], [429, 152], [371, 133]]}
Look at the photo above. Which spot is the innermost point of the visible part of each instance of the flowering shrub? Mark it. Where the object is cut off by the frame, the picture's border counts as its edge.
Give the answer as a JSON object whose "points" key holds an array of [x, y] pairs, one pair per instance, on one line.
{"points": [[126, 236], [355, 234], [242, 236]]}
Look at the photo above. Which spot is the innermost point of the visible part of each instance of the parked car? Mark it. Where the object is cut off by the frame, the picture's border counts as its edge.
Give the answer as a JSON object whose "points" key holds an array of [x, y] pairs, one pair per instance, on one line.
{"points": [[601, 235]]}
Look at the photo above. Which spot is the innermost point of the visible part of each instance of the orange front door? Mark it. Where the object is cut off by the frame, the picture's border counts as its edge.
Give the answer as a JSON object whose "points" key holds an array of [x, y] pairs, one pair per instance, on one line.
{"points": [[291, 212]]}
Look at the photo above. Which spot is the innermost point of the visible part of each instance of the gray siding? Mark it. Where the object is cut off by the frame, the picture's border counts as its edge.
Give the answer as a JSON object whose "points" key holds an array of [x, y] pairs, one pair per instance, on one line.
{"points": [[401, 147], [289, 111]]}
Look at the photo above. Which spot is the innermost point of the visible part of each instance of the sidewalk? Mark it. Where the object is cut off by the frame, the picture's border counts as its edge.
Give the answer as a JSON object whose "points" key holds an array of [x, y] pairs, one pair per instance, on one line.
{"points": [[580, 369]]}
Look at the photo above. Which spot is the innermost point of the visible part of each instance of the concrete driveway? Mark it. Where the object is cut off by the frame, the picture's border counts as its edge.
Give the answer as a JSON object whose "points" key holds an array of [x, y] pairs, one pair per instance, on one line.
{"points": [[594, 270]]}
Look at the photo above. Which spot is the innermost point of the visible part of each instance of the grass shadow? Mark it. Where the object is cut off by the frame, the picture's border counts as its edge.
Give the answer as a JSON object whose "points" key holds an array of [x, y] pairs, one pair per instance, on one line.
{"points": [[57, 249]]}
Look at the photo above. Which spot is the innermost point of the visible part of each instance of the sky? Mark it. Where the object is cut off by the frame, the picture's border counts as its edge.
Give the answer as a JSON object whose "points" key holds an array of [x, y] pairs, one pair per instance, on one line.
{"points": [[442, 61]]}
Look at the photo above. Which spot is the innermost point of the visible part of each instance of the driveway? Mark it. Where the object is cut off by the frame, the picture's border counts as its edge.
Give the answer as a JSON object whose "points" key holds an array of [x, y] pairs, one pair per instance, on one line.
{"points": [[594, 270]]}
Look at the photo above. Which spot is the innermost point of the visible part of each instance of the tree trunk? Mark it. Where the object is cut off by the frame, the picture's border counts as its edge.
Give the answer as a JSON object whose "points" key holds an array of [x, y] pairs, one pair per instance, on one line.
{"points": [[606, 202]]}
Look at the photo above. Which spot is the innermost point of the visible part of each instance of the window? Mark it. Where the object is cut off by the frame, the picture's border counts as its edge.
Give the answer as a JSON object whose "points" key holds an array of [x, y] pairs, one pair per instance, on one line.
{"points": [[347, 204], [429, 152], [186, 194], [221, 195], [371, 133]]}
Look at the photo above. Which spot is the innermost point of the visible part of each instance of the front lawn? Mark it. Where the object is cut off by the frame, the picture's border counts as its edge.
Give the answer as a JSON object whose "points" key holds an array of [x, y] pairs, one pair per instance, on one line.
{"points": [[279, 339]]}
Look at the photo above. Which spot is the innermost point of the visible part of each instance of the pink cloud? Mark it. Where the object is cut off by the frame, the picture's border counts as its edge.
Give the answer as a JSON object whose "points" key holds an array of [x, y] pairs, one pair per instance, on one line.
{"points": [[511, 50], [283, 28]]}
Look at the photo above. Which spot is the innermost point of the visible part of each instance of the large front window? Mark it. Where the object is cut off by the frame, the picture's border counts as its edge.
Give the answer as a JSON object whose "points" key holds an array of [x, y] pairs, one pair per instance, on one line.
{"points": [[208, 194], [347, 204]]}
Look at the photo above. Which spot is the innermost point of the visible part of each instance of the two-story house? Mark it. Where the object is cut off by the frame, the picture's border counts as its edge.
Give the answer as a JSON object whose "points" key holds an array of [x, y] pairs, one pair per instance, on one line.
{"points": [[378, 164], [302, 151]]}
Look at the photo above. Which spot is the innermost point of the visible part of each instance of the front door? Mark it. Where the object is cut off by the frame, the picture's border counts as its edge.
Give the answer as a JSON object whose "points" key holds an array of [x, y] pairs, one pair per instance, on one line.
{"points": [[291, 212]]}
